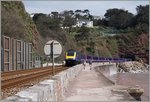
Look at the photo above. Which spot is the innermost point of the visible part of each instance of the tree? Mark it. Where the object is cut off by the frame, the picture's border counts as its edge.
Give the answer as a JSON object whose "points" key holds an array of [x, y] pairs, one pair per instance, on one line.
{"points": [[69, 21], [90, 17], [118, 18], [55, 14], [142, 19], [78, 11], [83, 32], [142, 14], [71, 12], [36, 16], [86, 11], [44, 23], [97, 22]]}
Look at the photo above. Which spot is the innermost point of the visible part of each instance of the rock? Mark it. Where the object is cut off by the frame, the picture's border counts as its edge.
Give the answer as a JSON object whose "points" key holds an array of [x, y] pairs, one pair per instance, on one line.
{"points": [[133, 67], [136, 92]]}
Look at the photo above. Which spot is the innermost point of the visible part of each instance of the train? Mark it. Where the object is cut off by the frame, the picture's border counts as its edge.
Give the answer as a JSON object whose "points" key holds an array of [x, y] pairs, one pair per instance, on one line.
{"points": [[73, 57]]}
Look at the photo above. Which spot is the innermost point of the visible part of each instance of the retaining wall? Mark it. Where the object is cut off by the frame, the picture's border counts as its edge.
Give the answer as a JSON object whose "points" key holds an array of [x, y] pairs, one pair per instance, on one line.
{"points": [[49, 90], [126, 79], [109, 71]]}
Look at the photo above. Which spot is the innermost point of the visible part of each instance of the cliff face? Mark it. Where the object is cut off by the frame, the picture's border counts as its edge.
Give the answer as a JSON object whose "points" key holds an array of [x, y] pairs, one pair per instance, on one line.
{"points": [[16, 23], [136, 46]]}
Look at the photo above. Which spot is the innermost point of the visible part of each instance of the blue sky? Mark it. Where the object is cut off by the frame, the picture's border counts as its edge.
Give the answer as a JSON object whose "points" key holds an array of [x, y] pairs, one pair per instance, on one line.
{"points": [[97, 8]]}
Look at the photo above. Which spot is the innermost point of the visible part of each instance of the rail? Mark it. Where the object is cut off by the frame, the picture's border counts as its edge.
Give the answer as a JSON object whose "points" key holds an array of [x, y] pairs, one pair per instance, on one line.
{"points": [[25, 76]]}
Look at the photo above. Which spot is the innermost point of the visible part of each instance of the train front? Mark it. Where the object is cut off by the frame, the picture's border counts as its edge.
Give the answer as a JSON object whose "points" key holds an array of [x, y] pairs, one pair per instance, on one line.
{"points": [[70, 58]]}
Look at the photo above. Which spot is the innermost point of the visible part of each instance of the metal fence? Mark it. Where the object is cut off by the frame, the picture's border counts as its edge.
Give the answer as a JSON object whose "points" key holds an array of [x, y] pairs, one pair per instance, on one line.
{"points": [[37, 62], [16, 54]]}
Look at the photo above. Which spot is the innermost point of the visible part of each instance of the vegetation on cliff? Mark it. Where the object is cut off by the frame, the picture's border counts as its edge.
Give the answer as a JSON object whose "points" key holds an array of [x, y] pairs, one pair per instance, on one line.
{"points": [[129, 30]]}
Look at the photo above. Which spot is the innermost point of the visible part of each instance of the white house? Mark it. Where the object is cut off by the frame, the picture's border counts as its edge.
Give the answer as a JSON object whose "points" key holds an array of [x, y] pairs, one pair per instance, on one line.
{"points": [[85, 22]]}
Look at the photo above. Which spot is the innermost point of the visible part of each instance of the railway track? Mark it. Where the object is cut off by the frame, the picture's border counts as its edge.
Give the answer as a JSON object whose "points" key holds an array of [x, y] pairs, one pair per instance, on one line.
{"points": [[10, 73], [16, 78]]}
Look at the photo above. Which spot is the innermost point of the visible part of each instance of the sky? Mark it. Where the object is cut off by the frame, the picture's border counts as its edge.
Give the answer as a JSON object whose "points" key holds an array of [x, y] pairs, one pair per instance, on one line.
{"points": [[96, 8]]}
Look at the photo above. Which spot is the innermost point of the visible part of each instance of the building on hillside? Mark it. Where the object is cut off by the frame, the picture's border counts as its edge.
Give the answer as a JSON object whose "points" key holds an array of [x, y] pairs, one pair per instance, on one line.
{"points": [[84, 22]]}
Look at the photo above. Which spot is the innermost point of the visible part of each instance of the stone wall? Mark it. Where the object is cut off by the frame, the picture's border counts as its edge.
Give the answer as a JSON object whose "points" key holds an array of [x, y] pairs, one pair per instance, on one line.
{"points": [[108, 70], [49, 90]]}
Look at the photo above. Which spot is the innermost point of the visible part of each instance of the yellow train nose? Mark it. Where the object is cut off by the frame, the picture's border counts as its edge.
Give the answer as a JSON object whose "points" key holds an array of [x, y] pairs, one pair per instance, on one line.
{"points": [[73, 56]]}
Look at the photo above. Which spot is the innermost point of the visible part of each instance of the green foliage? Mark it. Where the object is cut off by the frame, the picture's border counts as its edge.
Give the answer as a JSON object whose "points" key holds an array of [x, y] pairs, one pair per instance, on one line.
{"points": [[90, 50], [142, 28], [16, 22], [55, 14], [83, 33], [142, 14], [83, 29], [112, 46], [96, 31], [83, 14], [97, 22], [69, 21], [118, 18], [121, 42], [142, 19], [45, 23]]}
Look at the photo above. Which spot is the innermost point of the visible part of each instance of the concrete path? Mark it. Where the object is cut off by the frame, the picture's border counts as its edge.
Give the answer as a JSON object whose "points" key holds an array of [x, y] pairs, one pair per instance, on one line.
{"points": [[92, 86]]}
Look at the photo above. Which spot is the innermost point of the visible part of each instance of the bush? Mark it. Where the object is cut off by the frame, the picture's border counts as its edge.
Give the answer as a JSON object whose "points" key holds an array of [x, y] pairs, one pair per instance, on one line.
{"points": [[142, 28]]}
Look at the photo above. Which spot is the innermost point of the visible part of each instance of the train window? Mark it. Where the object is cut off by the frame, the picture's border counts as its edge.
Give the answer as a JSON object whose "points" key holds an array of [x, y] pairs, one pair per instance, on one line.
{"points": [[89, 57], [70, 54]]}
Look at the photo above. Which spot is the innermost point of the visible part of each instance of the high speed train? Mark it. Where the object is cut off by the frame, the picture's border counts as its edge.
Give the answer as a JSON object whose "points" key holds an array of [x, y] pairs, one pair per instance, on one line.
{"points": [[73, 57]]}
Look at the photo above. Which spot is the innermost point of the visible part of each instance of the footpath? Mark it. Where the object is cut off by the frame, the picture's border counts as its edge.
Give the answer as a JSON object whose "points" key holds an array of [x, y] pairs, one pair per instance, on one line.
{"points": [[90, 85]]}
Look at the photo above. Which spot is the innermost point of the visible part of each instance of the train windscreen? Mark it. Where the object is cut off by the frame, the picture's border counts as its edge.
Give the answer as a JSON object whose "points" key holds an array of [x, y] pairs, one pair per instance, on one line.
{"points": [[70, 54]]}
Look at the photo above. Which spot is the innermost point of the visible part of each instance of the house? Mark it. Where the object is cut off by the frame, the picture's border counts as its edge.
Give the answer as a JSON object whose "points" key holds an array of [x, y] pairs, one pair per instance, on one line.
{"points": [[84, 22]]}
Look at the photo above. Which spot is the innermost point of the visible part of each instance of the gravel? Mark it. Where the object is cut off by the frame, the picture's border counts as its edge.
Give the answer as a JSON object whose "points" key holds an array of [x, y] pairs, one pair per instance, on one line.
{"points": [[12, 91]]}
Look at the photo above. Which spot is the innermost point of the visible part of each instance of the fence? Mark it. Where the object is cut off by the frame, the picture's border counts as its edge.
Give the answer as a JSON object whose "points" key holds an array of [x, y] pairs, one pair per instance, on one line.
{"points": [[16, 54], [37, 62]]}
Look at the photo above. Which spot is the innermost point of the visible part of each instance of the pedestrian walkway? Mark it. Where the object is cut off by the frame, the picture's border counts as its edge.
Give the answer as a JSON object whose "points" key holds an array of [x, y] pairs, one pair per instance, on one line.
{"points": [[92, 86]]}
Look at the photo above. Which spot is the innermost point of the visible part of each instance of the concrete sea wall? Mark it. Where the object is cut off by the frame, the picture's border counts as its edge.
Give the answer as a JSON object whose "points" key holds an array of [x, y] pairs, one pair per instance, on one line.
{"points": [[126, 79], [108, 70], [55, 88], [48, 90]]}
